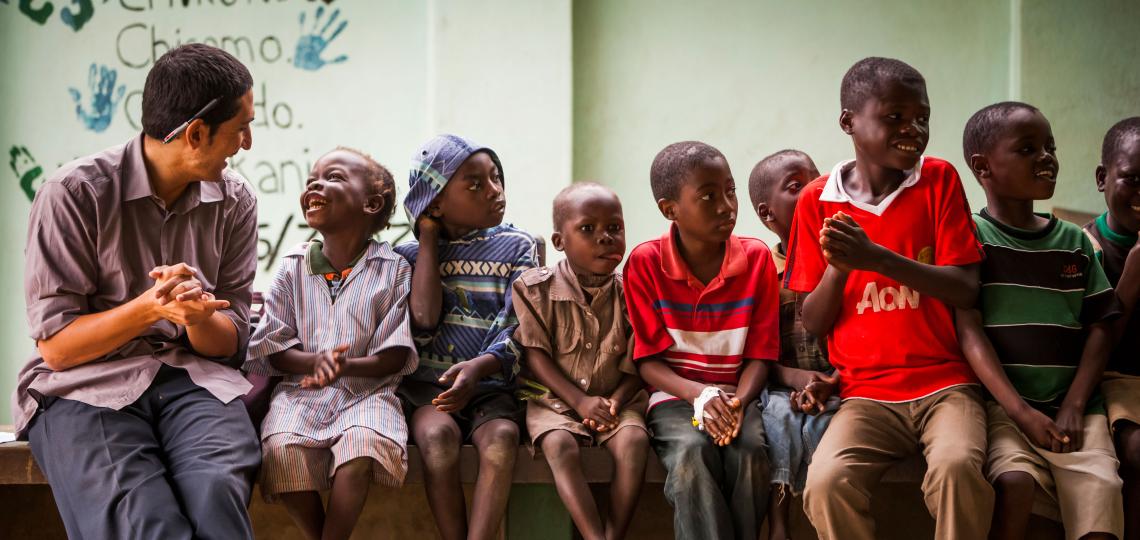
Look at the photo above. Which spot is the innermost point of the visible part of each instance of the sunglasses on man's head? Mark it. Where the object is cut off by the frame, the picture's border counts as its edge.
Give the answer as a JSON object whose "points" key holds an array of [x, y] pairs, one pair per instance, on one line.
{"points": [[209, 106]]}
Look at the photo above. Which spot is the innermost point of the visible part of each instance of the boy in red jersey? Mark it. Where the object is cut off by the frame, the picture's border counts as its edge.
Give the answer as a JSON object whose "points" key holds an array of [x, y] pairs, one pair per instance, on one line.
{"points": [[704, 306], [885, 248]]}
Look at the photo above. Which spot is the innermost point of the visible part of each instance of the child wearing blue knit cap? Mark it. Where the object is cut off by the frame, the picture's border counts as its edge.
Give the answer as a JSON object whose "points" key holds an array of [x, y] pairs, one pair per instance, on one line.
{"points": [[464, 261]]}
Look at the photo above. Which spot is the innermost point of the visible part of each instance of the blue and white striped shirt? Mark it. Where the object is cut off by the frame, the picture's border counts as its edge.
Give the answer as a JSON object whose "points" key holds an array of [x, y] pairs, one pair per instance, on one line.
{"points": [[369, 316], [477, 314]]}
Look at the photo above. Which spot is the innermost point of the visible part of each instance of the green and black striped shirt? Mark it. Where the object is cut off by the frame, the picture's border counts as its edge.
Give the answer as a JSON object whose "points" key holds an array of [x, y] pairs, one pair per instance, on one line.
{"points": [[1040, 292]]}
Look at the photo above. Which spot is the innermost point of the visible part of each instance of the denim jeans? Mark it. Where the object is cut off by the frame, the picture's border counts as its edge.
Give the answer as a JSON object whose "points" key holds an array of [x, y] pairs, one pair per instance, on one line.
{"points": [[793, 436], [716, 492]]}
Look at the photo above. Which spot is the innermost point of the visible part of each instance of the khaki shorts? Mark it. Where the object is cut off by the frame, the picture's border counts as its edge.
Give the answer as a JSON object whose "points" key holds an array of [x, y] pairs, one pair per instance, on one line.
{"points": [[1081, 489], [1122, 397]]}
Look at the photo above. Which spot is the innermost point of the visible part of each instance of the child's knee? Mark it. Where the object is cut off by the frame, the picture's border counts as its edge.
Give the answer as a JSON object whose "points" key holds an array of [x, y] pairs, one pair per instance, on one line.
{"points": [[438, 440], [559, 446], [1015, 486], [1128, 445], [357, 469], [498, 442]]}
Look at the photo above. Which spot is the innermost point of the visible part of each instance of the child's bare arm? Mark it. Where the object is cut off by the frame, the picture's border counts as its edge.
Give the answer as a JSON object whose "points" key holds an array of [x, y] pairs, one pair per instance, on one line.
{"points": [[463, 377], [790, 377], [822, 305], [982, 357], [848, 246], [1094, 358], [752, 380], [382, 364], [426, 298], [628, 386]]}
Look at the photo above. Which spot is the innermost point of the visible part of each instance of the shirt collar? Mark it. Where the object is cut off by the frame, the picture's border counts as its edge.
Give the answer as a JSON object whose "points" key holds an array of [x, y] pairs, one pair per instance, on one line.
{"points": [[779, 259], [675, 267], [833, 188], [318, 264], [565, 286], [136, 182], [1126, 240]]}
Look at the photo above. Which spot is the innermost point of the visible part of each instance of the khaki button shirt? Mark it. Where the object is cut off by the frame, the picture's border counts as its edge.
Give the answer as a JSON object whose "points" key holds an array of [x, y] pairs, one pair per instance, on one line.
{"points": [[591, 343]]}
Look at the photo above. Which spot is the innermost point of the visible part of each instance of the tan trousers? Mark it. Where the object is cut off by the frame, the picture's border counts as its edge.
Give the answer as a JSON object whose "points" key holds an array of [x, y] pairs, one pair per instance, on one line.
{"points": [[866, 437]]}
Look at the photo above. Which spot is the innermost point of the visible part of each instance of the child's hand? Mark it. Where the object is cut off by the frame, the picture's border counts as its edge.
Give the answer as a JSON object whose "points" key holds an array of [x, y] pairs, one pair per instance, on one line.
{"points": [[846, 245], [428, 226], [737, 417], [327, 367], [1040, 429], [595, 413], [462, 378], [721, 418], [1071, 422], [813, 398]]}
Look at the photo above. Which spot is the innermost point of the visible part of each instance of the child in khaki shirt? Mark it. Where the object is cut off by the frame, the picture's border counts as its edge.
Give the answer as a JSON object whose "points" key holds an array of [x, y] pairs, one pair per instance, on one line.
{"points": [[573, 323]]}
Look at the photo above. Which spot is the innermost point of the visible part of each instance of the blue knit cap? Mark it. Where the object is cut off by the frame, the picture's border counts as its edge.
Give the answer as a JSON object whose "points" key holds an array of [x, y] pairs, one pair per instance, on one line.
{"points": [[432, 167]]}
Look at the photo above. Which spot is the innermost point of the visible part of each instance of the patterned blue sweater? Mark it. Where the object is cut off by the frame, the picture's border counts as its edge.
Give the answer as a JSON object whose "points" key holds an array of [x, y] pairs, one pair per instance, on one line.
{"points": [[477, 316]]}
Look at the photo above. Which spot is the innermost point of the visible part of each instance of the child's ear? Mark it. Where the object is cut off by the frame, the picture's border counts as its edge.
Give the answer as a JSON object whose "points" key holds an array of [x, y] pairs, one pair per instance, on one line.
{"points": [[374, 204], [764, 212], [846, 121], [980, 166], [434, 211], [668, 208], [556, 240], [1101, 177]]}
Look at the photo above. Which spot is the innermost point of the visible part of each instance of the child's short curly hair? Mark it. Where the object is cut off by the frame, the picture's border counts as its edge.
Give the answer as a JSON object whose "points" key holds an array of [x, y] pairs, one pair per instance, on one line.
{"points": [[379, 182], [868, 75]]}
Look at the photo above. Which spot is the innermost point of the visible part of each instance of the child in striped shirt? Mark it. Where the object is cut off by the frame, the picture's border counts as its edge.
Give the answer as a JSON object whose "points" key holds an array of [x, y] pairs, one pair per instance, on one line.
{"points": [[703, 303], [336, 326], [464, 263]]}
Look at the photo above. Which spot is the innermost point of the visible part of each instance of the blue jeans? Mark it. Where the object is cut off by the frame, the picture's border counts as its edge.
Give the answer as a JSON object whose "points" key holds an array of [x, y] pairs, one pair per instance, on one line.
{"points": [[793, 436], [716, 492]]}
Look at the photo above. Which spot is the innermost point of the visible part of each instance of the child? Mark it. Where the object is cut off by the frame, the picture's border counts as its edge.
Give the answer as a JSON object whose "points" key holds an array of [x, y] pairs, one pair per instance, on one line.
{"points": [[884, 246], [1114, 234], [464, 264], [574, 325], [1042, 294], [703, 303], [336, 325], [793, 426]]}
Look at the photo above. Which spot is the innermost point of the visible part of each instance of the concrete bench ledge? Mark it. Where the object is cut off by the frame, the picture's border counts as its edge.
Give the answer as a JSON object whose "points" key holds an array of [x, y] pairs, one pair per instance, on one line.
{"points": [[18, 467]]}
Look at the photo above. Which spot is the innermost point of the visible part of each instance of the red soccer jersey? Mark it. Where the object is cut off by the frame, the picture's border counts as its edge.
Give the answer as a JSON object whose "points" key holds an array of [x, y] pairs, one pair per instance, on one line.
{"points": [[704, 333], [889, 343]]}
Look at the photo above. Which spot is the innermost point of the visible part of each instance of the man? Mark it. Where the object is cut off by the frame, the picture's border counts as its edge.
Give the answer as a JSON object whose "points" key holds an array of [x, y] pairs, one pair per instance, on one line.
{"points": [[138, 274]]}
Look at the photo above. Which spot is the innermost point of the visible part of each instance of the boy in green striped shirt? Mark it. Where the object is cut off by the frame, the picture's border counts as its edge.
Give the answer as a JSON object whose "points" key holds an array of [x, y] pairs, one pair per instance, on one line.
{"points": [[1039, 338]]}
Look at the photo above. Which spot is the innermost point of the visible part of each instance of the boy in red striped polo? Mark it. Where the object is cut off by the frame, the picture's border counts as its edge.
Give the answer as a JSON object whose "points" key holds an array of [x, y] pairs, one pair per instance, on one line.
{"points": [[885, 248], [704, 306]]}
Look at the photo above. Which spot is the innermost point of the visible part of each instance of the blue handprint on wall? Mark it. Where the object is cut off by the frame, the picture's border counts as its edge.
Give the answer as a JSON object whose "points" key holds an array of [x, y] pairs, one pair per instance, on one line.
{"points": [[101, 81], [312, 45]]}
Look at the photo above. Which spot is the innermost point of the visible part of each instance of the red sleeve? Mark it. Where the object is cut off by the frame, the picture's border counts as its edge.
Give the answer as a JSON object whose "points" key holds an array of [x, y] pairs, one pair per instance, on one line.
{"points": [[805, 264], [956, 241], [763, 342], [650, 337]]}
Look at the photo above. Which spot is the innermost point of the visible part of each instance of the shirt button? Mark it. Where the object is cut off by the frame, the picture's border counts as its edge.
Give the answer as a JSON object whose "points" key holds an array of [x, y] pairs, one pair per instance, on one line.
{"points": [[582, 382], [589, 345], [557, 406]]}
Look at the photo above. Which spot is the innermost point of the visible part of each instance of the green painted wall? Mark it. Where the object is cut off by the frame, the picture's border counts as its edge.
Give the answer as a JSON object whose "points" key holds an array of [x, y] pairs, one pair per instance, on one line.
{"points": [[1081, 65], [589, 89]]}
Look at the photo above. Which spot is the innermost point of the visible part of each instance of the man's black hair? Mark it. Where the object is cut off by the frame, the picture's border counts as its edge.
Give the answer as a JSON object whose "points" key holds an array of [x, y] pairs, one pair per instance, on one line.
{"points": [[184, 80]]}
